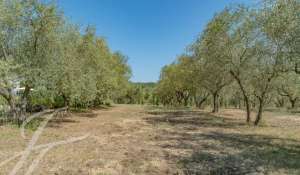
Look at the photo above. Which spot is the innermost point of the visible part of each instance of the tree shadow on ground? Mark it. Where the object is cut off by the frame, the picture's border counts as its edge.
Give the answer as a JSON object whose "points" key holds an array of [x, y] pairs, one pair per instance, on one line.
{"points": [[86, 114], [59, 119], [193, 118], [67, 117], [58, 122], [210, 147]]}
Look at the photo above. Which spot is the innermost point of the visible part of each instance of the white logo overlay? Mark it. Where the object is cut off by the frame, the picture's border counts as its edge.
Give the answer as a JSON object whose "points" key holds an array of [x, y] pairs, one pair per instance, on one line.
{"points": [[32, 147]]}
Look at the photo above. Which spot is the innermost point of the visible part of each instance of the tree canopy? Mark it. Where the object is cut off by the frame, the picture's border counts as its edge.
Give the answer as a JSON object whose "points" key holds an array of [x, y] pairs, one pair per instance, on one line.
{"points": [[249, 52], [47, 59]]}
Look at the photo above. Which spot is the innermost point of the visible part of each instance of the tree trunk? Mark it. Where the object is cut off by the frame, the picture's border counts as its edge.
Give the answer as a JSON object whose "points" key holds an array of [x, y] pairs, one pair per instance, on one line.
{"points": [[66, 100], [279, 102], [199, 103], [246, 99], [215, 102], [13, 108], [293, 103], [23, 105], [259, 113], [248, 110], [297, 68], [186, 101], [179, 97]]}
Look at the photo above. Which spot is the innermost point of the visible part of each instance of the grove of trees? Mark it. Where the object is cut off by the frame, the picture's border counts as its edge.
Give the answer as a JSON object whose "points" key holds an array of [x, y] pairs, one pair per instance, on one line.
{"points": [[139, 93], [247, 56], [45, 59]]}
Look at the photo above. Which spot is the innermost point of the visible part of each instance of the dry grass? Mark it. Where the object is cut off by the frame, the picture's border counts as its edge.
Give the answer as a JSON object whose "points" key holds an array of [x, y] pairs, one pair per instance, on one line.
{"points": [[205, 143], [132, 140]]}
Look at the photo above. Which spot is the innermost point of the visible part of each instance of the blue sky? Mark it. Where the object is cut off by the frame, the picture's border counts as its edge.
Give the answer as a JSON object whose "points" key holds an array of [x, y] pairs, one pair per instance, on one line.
{"points": [[150, 32]]}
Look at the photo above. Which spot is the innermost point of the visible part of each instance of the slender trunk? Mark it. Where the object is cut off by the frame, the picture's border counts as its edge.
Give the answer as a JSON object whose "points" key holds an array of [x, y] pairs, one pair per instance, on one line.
{"points": [[297, 68], [253, 105], [259, 113], [261, 100], [199, 103], [221, 102], [215, 102], [248, 110], [235, 104], [279, 102], [23, 106], [246, 99], [293, 103], [13, 108], [179, 97], [66, 100], [186, 100]]}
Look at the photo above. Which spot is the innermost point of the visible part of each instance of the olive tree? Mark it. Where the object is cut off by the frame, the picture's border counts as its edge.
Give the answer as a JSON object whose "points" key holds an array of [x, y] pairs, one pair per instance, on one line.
{"points": [[276, 25], [238, 50], [208, 50], [288, 85]]}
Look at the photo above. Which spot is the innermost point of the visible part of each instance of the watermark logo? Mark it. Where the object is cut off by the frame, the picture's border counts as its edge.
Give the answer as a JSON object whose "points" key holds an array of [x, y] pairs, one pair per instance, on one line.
{"points": [[32, 147]]}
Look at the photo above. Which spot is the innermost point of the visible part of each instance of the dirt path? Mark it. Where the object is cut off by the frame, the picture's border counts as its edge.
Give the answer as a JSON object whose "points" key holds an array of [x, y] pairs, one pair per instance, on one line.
{"points": [[127, 140], [120, 142]]}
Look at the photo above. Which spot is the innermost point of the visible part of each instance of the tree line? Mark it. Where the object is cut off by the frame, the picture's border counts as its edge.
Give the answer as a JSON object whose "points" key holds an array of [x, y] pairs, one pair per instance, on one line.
{"points": [[247, 56], [46, 59], [139, 93]]}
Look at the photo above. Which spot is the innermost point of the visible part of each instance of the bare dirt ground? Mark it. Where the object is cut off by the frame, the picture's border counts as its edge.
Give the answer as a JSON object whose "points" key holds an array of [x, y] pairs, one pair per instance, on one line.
{"points": [[130, 140]]}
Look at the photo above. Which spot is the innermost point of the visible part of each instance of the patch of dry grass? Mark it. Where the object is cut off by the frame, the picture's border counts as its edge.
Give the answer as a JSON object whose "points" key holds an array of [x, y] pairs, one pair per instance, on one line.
{"points": [[130, 140], [205, 143]]}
